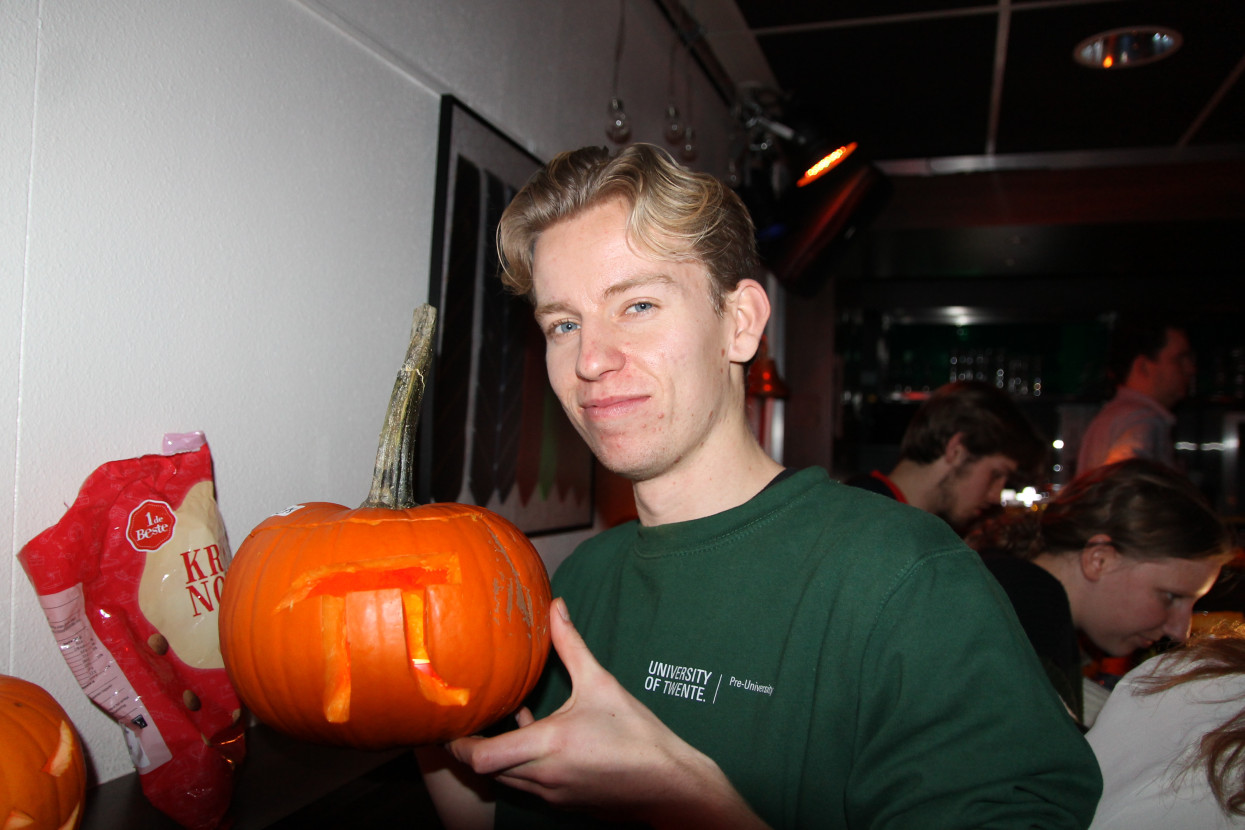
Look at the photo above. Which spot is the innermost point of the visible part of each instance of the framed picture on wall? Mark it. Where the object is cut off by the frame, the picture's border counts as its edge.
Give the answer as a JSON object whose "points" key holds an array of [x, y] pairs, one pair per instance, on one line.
{"points": [[492, 433]]}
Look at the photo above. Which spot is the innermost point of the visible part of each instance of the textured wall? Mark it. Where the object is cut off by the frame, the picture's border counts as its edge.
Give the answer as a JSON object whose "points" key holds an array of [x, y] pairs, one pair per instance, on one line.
{"points": [[216, 216]]}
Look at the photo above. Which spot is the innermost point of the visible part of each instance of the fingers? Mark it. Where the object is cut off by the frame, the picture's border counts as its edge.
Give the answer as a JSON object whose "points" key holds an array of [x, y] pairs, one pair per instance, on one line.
{"points": [[489, 756], [570, 647], [477, 752], [484, 755], [534, 740]]}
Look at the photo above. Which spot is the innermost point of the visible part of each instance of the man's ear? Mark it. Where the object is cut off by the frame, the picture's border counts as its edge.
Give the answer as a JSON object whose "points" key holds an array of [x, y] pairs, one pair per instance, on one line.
{"points": [[1099, 552], [748, 308], [1141, 370], [955, 452]]}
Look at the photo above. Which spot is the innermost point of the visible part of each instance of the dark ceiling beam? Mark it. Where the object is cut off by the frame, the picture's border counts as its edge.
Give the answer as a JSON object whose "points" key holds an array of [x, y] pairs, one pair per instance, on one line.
{"points": [[1160, 193], [1066, 160], [1033, 299]]}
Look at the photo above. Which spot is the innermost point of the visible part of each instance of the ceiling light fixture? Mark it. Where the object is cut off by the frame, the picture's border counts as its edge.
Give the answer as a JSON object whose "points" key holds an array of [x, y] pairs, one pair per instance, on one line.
{"points": [[618, 127], [1126, 47], [674, 121]]}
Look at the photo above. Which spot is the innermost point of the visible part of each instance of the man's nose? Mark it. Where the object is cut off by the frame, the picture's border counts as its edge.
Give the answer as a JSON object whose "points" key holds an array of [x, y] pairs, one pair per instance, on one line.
{"points": [[995, 495], [599, 353]]}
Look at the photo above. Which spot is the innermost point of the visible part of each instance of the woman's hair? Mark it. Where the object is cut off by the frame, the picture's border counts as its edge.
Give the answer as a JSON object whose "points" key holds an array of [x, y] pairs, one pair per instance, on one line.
{"points": [[1149, 511], [675, 214], [1221, 751]]}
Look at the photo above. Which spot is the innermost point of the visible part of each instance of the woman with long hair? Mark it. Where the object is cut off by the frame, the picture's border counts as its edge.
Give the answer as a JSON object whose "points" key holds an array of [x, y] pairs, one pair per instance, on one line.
{"points": [[1171, 740], [1118, 557]]}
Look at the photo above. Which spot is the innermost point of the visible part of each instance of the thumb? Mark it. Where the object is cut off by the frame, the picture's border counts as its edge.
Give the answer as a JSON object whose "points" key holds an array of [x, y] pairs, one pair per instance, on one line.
{"points": [[571, 648]]}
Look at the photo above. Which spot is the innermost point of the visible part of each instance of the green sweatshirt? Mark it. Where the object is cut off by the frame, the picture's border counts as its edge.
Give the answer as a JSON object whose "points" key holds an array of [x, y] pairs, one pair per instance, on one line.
{"points": [[844, 658]]}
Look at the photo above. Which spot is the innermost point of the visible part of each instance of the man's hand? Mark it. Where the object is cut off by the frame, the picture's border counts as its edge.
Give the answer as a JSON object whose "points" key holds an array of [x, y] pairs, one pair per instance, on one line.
{"points": [[605, 752]]}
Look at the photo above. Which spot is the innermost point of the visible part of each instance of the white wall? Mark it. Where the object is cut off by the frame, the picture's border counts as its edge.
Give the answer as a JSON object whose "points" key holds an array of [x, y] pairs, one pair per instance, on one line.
{"points": [[216, 216]]}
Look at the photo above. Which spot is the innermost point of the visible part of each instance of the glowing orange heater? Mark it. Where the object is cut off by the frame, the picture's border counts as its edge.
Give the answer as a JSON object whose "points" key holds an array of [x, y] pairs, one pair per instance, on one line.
{"points": [[827, 163]]}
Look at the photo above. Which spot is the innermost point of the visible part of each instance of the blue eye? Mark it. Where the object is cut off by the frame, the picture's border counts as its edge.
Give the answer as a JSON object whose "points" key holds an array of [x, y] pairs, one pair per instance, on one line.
{"points": [[565, 327], [642, 305]]}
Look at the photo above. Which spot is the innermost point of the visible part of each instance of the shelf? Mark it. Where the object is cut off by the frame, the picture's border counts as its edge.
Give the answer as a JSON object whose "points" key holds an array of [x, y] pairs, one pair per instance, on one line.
{"points": [[285, 784]]}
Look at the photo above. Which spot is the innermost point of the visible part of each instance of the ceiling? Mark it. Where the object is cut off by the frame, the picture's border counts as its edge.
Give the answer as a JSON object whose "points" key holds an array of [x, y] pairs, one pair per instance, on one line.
{"points": [[1005, 158], [922, 79]]}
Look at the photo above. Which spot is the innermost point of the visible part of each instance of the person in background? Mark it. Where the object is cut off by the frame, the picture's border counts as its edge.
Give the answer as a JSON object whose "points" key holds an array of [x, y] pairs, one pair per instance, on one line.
{"points": [[1118, 557], [957, 453], [1153, 366], [762, 647], [1171, 740]]}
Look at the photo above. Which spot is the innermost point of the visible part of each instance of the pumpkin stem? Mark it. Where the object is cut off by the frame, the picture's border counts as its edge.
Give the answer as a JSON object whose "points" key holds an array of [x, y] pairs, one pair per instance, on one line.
{"points": [[393, 481]]}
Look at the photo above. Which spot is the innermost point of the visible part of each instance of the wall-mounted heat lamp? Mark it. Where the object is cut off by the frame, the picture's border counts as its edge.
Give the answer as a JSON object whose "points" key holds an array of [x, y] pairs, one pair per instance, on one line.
{"points": [[826, 163], [820, 219], [802, 229]]}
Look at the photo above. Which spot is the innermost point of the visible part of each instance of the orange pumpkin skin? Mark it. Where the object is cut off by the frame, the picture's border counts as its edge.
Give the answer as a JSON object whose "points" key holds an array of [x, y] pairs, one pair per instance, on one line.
{"points": [[378, 628], [42, 769]]}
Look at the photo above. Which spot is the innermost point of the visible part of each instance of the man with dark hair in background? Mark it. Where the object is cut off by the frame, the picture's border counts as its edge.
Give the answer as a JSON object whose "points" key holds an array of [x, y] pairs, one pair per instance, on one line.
{"points": [[958, 452], [1153, 366]]}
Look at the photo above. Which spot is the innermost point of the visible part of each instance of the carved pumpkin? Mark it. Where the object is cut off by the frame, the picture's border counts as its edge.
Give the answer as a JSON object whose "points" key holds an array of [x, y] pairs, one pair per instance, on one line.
{"points": [[42, 771], [391, 624]]}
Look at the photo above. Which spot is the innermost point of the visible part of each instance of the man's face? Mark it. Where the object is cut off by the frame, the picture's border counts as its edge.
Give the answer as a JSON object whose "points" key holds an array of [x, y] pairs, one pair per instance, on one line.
{"points": [[972, 486], [1136, 602], [636, 353], [1174, 369]]}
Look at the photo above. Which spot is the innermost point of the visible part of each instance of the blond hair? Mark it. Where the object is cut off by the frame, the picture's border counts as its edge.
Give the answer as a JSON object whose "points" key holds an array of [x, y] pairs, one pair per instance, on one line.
{"points": [[674, 213]]}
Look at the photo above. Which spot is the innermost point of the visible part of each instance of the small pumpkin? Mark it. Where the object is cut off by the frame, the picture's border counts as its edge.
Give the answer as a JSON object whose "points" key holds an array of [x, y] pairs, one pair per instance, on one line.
{"points": [[42, 769], [392, 624]]}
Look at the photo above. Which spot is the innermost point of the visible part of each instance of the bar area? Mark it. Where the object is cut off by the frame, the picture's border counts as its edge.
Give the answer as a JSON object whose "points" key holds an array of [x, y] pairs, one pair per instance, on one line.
{"points": [[748, 510]]}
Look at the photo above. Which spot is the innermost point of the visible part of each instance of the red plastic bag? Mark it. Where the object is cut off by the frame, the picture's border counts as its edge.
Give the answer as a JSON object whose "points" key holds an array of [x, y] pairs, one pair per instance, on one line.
{"points": [[130, 581]]}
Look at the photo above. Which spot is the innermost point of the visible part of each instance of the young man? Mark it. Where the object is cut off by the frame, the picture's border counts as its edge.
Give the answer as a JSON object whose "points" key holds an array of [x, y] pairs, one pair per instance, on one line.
{"points": [[1155, 365], [760, 647], [958, 451]]}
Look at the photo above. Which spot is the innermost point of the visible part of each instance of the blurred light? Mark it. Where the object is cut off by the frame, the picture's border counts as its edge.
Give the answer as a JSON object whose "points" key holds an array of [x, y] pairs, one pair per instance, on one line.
{"points": [[1130, 46], [763, 378], [827, 163], [959, 315], [1057, 443], [1028, 496], [1209, 446]]}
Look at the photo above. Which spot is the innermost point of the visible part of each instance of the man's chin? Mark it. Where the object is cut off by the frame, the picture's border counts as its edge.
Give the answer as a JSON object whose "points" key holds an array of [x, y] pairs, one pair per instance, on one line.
{"points": [[632, 469], [960, 524]]}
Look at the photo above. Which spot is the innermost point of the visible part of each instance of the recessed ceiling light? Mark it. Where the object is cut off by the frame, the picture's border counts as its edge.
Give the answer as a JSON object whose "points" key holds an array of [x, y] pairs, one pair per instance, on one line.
{"points": [[1129, 46]]}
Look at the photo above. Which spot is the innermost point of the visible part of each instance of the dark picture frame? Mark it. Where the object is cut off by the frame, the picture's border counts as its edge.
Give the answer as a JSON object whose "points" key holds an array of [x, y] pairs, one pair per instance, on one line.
{"points": [[492, 432]]}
